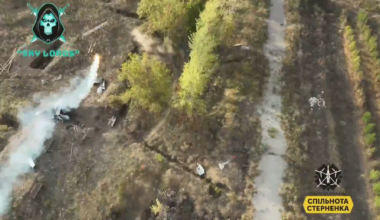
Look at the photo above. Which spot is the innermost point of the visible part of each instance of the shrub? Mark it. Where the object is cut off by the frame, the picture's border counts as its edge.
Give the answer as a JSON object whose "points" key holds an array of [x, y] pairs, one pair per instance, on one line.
{"points": [[367, 117], [370, 139], [377, 202], [160, 158], [369, 128], [362, 18], [370, 151], [376, 188], [272, 132], [170, 17], [372, 44], [150, 82], [374, 175], [115, 101], [367, 34], [159, 207]]}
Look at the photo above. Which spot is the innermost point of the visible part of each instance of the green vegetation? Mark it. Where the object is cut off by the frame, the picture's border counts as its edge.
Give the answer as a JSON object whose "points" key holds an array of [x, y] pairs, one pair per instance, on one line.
{"points": [[369, 133], [371, 48], [213, 27], [158, 208], [374, 175], [172, 18], [369, 128], [377, 201], [367, 117], [376, 188], [150, 83], [160, 158], [354, 60], [272, 132]]}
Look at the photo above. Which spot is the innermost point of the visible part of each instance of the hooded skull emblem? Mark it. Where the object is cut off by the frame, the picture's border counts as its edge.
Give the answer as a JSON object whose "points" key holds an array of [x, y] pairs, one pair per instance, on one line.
{"points": [[48, 21], [48, 26]]}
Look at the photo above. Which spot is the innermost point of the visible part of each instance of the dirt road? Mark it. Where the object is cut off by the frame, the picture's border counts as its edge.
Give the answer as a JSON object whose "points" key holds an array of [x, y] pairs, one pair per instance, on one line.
{"points": [[268, 202]]}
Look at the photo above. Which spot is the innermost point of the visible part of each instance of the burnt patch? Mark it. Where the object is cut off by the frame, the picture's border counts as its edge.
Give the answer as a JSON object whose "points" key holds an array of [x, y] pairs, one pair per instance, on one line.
{"points": [[9, 120], [42, 62], [123, 12]]}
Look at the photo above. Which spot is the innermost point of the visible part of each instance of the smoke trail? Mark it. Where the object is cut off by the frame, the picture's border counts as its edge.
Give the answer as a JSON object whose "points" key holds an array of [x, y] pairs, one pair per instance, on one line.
{"points": [[37, 128]]}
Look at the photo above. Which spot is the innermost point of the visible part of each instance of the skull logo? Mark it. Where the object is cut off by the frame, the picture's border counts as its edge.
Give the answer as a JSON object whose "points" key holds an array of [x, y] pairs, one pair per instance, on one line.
{"points": [[48, 21]]}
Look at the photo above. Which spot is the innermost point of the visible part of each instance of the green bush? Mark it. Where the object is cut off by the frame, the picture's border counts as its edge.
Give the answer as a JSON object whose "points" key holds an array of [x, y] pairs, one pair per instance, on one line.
{"points": [[370, 139], [376, 188], [372, 44], [367, 117], [370, 151], [172, 18], [374, 175], [377, 201], [362, 18], [367, 34], [369, 128], [150, 82], [160, 158]]}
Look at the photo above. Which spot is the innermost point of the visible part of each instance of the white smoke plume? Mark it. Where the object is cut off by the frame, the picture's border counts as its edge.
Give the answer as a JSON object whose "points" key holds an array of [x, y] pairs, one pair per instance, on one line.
{"points": [[36, 129]]}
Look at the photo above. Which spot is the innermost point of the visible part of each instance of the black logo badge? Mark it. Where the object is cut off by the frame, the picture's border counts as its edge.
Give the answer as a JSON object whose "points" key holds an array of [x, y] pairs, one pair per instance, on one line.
{"points": [[48, 26], [328, 177]]}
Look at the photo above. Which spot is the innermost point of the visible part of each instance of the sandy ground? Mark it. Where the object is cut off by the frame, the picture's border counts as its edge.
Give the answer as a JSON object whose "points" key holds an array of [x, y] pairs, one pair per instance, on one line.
{"points": [[268, 202]]}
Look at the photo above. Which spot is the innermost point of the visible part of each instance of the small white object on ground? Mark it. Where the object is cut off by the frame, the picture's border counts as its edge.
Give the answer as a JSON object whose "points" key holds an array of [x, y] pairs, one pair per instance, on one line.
{"points": [[221, 165], [102, 87], [112, 121], [200, 170], [317, 101], [313, 101]]}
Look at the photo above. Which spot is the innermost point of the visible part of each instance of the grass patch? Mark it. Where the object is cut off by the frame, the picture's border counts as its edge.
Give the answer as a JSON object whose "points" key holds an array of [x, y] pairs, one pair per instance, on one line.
{"points": [[272, 132], [160, 158], [354, 60], [374, 175]]}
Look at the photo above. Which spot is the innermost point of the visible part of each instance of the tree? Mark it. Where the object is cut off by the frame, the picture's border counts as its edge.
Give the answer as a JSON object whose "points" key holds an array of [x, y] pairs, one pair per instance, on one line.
{"points": [[173, 18], [213, 27], [150, 82]]}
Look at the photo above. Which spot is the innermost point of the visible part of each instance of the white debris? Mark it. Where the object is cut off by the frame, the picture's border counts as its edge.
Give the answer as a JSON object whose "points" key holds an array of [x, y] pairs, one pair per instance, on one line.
{"points": [[31, 163], [43, 82], [112, 121], [313, 101], [245, 48], [58, 78], [317, 101], [200, 170], [101, 88]]}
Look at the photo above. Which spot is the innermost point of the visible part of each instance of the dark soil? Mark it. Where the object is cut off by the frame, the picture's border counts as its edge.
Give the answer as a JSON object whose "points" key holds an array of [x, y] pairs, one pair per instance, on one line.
{"points": [[323, 69]]}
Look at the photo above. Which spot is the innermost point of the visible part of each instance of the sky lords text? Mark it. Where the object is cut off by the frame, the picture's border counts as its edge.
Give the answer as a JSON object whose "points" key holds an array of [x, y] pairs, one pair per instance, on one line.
{"points": [[51, 53]]}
